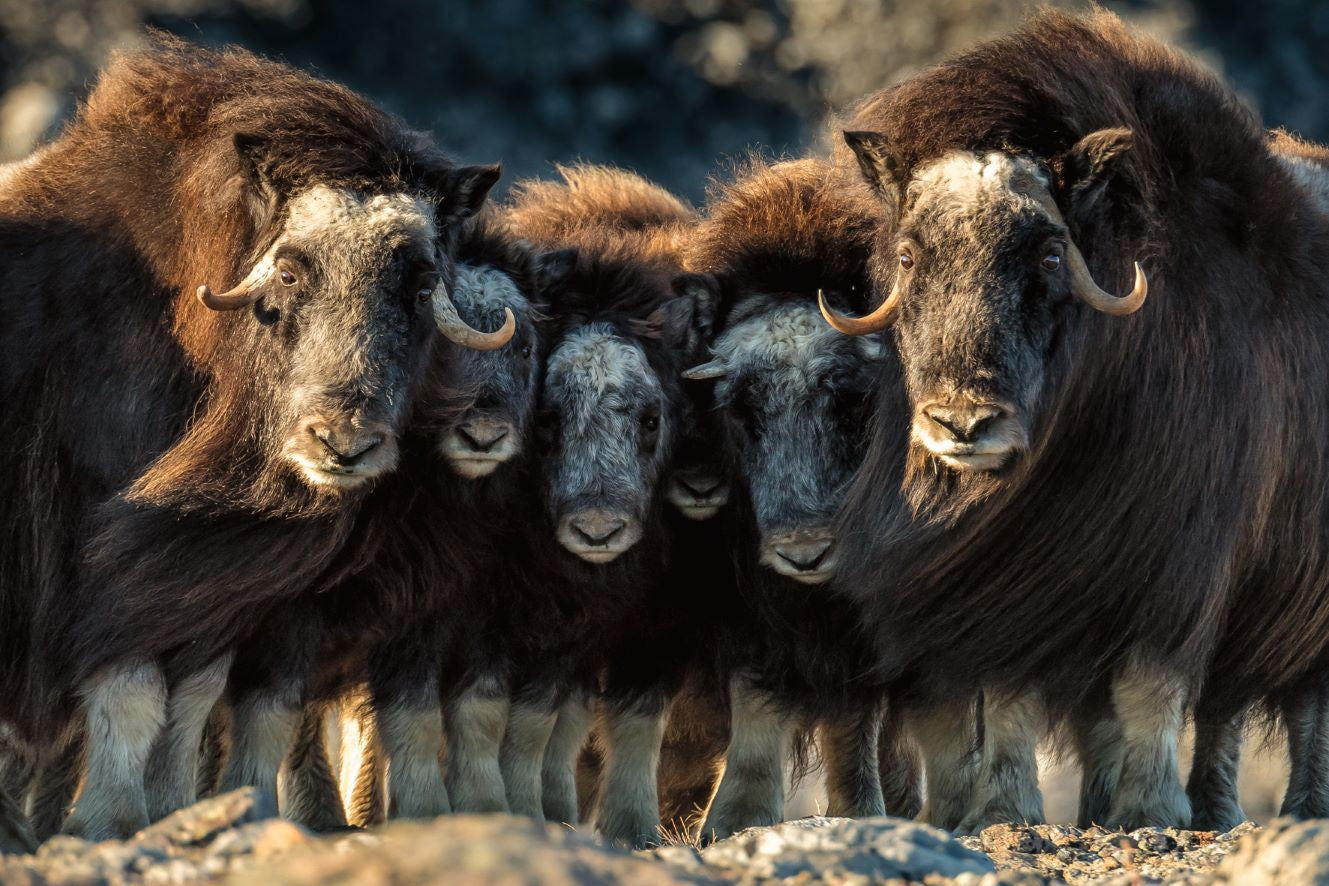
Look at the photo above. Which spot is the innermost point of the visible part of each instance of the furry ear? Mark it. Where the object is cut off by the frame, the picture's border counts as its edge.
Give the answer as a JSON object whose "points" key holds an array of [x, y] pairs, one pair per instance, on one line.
{"points": [[880, 166], [464, 192], [687, 320], [260, 188], [1085, 170], [553, 268]]}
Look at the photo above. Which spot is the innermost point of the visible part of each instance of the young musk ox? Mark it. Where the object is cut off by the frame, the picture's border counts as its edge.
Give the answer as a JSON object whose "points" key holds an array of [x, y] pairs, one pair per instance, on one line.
{"points": [[590, 613], [1136, 469], [794, 401], [418, 601], [191, 457]]}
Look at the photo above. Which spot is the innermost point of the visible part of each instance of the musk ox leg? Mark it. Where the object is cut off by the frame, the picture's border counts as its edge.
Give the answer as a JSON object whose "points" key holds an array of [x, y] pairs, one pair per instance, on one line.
{"points": [[1150, 704], [410, 735], [263, 728], [1306, 717], [474, 725], [692, 759], [16, 835], [125, 709], [172, 776], [1212, 786], [1096, 735], [215, 748], [1006, 789], [362, 766], [751, 791], [898, 765], [629, 809], [531, 721], [849, 749], [18, 763], [947, 734], [558, 769], [310, 795], [56, 784]]}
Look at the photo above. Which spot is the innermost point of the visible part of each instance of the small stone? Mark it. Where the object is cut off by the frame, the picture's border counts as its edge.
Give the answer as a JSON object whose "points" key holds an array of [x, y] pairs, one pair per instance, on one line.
{"points": [[1157, 843]]}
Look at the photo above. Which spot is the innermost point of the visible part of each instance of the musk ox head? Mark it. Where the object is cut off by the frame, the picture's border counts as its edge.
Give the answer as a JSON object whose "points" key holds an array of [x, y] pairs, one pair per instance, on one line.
{"points": [[795, 398], [698, 484], [340, 303], [502, 384], [608, 423], [983, 275]]}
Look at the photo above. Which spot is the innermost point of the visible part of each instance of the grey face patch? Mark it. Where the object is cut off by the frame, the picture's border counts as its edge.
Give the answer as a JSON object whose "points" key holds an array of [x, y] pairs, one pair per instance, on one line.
{"points": [[794, 395], [348, 280], [603, 410], [983, 278], [493, 430]]}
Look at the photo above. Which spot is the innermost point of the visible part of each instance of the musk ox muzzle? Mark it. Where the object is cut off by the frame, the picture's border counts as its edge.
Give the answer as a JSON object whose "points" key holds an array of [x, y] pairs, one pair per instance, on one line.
{"points": [[598, 535], [478, 445], [971, 433], [805, 555], [697, 492], [344, 452]]}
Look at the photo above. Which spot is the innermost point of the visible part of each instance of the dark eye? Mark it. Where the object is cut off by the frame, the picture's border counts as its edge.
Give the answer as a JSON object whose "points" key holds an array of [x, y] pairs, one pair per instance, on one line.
{"points": [[288, 277], [1051, 261], [906, 259], [650, 422], [424, 293], [526, 352]]}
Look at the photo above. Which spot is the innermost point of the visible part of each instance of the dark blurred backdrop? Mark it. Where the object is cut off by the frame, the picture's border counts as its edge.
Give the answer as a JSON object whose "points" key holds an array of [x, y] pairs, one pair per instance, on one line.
{"points": [[668, 87]]}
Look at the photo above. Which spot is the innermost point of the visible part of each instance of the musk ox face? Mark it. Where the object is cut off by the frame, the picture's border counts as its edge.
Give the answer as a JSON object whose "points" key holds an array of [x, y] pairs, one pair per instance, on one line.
{"points": [[794, 397], [698, 484], [982, 275], [605, 420], [504, 382], [347, 290], [981, 270]]}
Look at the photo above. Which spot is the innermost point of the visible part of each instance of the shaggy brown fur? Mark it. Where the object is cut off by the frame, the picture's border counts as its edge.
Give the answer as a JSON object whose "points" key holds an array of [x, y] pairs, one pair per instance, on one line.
{"points": [[149, 515], [1178, 457]]}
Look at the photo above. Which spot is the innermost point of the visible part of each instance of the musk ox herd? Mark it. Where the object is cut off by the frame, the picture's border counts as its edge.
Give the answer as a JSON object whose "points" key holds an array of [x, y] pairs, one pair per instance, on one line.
{"points": [[1005, 421]]}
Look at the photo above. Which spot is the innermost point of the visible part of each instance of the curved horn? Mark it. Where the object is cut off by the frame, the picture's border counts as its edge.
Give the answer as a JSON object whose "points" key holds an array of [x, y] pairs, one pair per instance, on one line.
{"points": [[455, 329], [1083, 285], [879, 319], [712, 369], [245, 293]]}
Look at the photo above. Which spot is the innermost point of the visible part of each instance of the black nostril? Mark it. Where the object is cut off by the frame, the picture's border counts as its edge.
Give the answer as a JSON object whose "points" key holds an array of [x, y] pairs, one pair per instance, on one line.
{"points": [[800, 563], [481, 445], [979, 427], [699, 492], [951, 426], [604, 539], [346, 459]]}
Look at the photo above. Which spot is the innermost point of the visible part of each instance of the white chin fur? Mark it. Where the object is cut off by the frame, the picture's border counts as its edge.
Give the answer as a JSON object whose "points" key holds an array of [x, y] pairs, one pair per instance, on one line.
{"points": [[597, 556], [474, 468], [698, 512]]}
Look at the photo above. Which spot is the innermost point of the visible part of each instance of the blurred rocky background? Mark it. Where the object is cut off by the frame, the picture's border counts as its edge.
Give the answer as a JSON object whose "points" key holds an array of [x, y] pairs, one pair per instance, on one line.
{"points": [[669, 87]]}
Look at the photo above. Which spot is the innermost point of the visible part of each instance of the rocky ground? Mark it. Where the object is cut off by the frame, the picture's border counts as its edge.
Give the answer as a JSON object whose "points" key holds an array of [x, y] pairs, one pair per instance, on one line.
{"points": [[216, 841]]}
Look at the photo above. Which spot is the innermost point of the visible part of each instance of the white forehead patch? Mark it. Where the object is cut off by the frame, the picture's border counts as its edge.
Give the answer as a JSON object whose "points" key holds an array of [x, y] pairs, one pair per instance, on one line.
{"points": [[598, 359], [484, 290], [968, 179], [341, 219], [791, 335]]}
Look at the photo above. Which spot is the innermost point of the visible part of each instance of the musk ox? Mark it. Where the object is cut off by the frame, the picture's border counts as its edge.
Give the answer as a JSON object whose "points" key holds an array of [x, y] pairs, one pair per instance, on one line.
{"points": [[1212, 785], [192, 456], [415, 599], [793, 400], [588, 615], [1102, 489]]}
